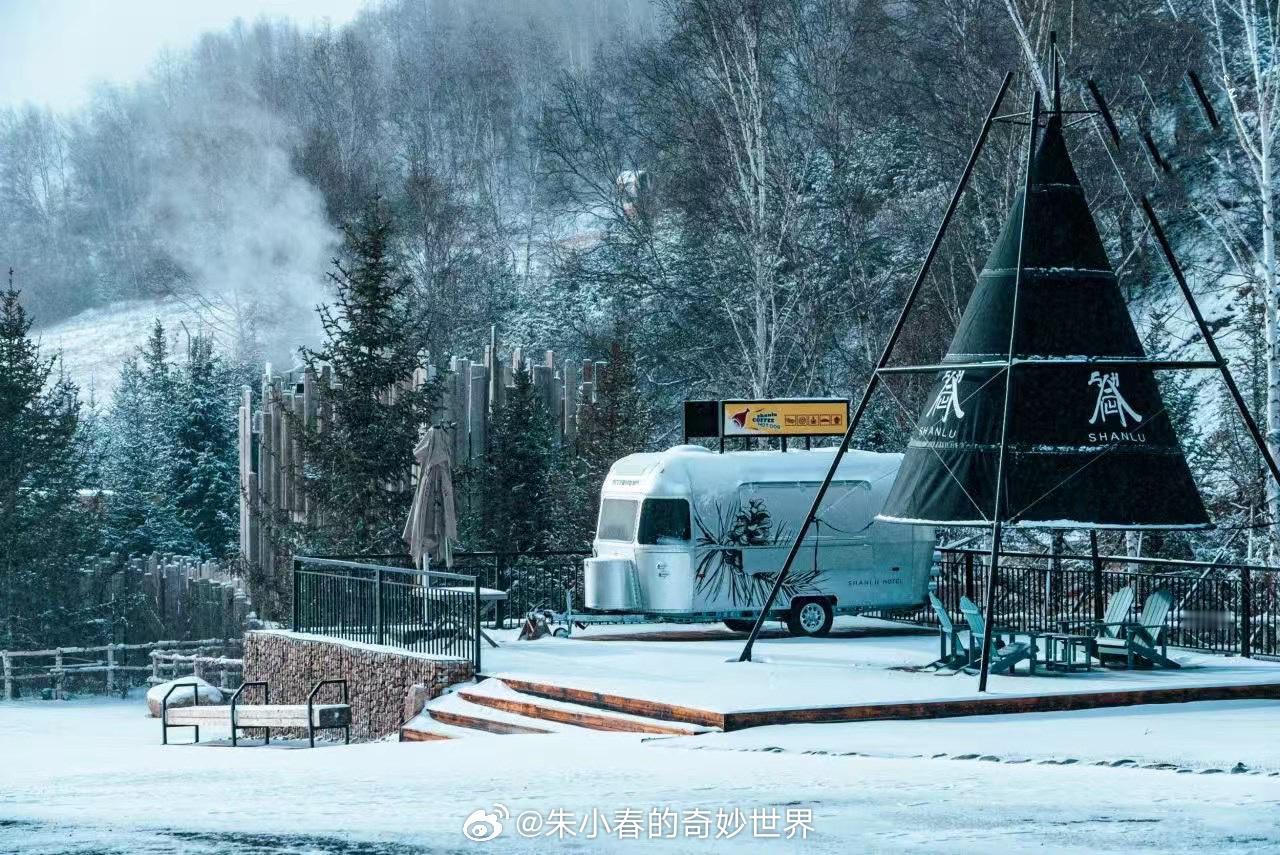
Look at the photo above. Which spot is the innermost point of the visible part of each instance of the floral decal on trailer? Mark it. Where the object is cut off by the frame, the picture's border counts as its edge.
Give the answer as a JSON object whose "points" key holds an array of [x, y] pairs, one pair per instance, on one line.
{"points": [[721, 536]]}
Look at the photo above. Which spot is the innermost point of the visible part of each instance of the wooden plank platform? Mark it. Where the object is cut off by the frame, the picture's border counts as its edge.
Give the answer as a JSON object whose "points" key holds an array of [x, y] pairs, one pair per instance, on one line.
{"points": [[989, 705], [725, 634], [423, 728], [998, 705]]}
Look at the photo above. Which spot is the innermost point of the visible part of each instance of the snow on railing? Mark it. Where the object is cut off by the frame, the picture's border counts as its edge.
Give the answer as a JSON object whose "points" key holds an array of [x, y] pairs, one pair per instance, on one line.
{"points": [[108, 664], [169, 664]]}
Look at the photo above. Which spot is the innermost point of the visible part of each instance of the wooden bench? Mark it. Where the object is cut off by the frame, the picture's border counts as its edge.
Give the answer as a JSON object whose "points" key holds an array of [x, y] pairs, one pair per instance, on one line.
{"points": [[266, 715]]}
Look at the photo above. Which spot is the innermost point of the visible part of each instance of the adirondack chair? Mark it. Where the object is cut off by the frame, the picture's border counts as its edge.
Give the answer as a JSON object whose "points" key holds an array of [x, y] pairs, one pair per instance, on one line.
{"points": [[1143, 641], [952, 654], [1006, 650], [1071, 632], [1117, 612]]}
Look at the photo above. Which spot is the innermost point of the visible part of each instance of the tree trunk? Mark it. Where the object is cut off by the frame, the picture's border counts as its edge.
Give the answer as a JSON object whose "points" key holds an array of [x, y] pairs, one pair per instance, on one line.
{"points": [[1272, 307]]}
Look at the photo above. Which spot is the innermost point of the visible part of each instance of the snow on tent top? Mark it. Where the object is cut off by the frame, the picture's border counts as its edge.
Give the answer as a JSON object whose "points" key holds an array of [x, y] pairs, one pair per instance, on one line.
{"points": [[1088, 445]]}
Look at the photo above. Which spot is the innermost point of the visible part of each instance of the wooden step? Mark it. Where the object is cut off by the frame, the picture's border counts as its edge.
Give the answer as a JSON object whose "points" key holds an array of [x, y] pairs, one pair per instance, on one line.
{"points": [[455, 710], [423, 728], [617, 703], [480, 723], [498, 695]]}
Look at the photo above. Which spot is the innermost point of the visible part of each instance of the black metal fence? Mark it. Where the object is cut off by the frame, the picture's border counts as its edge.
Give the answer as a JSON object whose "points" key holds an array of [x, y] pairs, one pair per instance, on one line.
{"points": [[1219, 608], [423, 611], [531, 579]]}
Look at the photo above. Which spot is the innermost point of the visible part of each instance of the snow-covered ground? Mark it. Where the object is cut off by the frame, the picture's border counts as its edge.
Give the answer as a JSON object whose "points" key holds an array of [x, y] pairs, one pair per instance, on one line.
{"points": [[90, 776], [1195, 737]]}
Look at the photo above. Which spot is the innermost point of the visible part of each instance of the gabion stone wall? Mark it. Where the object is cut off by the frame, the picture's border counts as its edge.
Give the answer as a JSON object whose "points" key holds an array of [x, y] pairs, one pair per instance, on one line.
{"points": [[378, 678]]}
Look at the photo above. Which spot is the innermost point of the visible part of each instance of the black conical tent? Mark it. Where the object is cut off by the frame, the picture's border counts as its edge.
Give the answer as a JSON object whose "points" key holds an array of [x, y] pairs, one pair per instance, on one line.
{"points": [[1089, 442]]}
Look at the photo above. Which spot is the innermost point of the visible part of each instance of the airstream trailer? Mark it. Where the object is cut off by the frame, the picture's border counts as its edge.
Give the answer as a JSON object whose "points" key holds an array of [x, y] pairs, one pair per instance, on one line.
{"points": [[691, 534]]}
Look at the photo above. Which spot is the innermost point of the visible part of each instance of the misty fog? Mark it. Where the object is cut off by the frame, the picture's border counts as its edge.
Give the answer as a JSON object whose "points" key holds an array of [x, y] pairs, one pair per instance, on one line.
{"points": [[221, 179]]}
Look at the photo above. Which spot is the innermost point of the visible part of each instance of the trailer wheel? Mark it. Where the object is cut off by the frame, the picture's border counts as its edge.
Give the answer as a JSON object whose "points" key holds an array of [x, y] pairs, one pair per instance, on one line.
{"points": [[810, 617], [739, 624]]}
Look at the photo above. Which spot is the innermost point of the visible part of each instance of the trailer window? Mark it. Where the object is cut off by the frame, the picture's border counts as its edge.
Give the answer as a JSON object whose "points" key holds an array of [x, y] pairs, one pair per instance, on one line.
{"points": [[617, 519], [664, 521], [846, 508]]}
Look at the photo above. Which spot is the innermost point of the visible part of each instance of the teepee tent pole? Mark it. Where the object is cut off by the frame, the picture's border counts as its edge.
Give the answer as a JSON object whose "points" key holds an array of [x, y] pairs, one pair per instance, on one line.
{"points": [[997, 515], [1209, 341], [1053, 63], [873, 382]]}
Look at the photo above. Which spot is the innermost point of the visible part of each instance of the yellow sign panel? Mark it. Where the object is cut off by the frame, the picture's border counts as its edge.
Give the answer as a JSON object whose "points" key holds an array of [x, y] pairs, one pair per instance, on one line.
{"points": [[784, 418]]}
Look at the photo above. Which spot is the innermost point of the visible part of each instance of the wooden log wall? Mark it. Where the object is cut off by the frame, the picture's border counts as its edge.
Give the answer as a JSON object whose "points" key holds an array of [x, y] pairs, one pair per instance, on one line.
{"points": [[143, 597], [271, 460], [185, 597]]}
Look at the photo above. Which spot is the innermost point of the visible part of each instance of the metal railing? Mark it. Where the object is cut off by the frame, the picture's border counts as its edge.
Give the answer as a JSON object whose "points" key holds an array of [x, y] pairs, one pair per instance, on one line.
{"points": [[530, 579], [425, 611], [1218, 608]]}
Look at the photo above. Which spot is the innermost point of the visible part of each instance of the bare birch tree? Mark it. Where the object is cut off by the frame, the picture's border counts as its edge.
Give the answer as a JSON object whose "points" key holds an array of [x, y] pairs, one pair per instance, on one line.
{"points": [[1244, 34], [726, 42], [1031, 53]]}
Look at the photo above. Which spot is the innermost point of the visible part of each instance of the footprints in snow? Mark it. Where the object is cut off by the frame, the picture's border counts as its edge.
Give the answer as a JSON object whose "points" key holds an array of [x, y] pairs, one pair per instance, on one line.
{"points": [[1238, 769]]}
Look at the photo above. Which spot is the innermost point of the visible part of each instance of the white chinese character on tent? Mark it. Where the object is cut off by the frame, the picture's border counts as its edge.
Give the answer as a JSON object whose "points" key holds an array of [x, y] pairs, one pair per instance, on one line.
{"points": [[1110, 401], [948, 399]]}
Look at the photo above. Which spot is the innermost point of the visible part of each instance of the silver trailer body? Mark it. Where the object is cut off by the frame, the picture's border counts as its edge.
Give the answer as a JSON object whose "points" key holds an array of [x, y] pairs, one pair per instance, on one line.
{"points": [[691, 533]]}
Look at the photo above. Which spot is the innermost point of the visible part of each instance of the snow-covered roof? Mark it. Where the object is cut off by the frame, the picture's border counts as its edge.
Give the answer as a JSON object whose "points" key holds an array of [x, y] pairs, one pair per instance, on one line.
{"points": [[690, 469]]}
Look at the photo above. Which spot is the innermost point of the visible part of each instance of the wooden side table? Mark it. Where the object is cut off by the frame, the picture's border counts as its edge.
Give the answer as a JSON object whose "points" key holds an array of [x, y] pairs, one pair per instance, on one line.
{"points": [[1067, 652]]}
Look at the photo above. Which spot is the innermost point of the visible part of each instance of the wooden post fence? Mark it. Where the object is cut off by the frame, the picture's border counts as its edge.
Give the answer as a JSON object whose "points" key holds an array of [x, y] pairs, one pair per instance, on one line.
{"points": [[168, 658], [271, 459]]}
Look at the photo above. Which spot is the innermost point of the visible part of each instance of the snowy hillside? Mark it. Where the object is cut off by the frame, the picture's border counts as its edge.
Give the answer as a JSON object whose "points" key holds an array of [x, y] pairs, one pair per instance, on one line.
{"points": [[95, 342]]}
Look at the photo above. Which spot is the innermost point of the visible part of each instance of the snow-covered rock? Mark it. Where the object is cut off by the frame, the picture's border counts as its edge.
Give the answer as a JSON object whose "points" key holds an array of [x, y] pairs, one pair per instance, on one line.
{"points": [[184, 697]]}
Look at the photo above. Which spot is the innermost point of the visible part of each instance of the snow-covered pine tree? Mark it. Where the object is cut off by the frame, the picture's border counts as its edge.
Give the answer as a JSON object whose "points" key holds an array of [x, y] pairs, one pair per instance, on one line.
{"points": [[357, 468], [617, 423], [160, 413], [207, 466], [125, 473], [42, 535], [516, 507], [91, 440], [142, 454]]}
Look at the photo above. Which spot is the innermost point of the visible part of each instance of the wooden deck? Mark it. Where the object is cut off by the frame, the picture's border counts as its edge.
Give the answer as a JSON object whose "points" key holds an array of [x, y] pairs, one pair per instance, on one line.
{"points": [[991, 705], [1000, 705], [409, 734], [504, 707], [644, 684]]}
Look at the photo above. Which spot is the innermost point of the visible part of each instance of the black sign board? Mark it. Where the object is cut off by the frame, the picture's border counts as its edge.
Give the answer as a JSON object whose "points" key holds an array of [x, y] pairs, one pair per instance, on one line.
{"points": [[701, 419]]}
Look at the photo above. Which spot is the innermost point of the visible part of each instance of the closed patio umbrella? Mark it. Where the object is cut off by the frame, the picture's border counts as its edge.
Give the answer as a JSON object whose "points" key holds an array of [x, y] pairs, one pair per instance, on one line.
{"points": [[433, 518]]}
